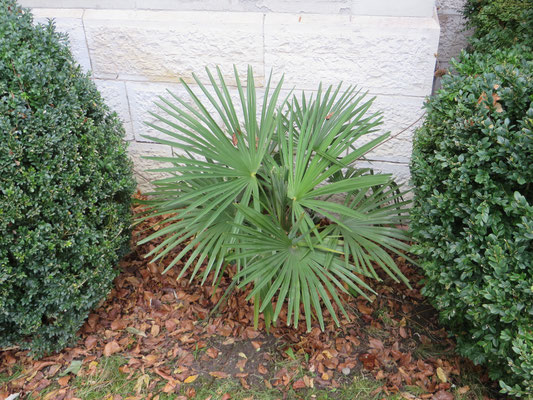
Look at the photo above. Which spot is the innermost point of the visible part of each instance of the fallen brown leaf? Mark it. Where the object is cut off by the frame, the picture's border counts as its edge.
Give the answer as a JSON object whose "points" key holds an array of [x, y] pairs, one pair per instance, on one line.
{"points": [[364, 309], [111, 348], [299, 384], [219, 374], [442, 395], [212, 352], [63, 381]]}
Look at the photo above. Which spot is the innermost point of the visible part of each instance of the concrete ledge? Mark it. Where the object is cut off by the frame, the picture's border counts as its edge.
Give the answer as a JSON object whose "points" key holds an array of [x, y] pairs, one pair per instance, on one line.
{"points": [[402, 8], [396, 8]]}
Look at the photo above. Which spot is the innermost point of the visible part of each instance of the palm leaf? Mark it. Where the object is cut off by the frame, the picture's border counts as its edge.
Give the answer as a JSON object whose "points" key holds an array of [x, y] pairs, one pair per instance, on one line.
{"points": [[253, 183]]}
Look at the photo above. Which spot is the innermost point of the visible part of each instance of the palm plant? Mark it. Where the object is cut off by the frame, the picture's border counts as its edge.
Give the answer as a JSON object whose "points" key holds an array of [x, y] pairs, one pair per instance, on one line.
{"points": [[276, 195]]}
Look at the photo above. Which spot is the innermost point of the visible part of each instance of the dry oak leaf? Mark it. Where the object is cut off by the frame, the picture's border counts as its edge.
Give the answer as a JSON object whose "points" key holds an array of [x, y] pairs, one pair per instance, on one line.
{"points": [[90, 342], [245, 384], [118, 324], [151, 359], [375, 343], [164, 375], [463, 390], [251, 333], [403, 332], [169, 387], [262, 369], [241, 364], [219, 374], [154, 331], [442, 395], [367, 360], [299, 384], [212, 352], [63, 381], [364, 309], [40, 365], [111, 348]]}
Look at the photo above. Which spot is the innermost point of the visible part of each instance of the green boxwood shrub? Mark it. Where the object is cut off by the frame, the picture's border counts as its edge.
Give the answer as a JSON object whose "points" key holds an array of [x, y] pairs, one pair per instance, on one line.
{"points": [[472, 170], [65, 187], [500, 23]]}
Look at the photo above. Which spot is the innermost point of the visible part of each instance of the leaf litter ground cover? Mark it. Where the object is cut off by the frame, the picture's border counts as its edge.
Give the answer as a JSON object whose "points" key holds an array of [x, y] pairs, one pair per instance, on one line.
{"points": [[160, 337]]}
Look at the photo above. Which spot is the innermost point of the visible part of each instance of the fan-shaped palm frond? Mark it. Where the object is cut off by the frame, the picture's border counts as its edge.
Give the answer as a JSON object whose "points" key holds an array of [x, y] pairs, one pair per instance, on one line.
{"points": [[255, 187]]}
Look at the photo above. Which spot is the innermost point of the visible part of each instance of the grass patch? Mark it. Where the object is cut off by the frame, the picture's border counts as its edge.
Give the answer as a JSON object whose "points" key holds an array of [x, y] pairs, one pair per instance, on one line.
{"points": [[104, 380], [108, 380], [215, 389]]}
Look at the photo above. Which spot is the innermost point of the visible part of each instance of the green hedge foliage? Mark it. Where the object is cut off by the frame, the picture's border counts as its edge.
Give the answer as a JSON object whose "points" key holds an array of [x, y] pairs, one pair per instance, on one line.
{"points": [[472, 169], [500, 23], [65, 187]]}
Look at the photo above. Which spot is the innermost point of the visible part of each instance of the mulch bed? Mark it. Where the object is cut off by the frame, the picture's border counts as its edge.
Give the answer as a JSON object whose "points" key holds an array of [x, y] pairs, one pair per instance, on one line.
{"points": [[161, 326]]}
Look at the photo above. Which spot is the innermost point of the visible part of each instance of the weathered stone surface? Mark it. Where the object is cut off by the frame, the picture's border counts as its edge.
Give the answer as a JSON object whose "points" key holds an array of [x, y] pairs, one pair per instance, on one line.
{"points": [[404, 8], [79, 3], [385, 55], [166, 46], [415, 8], [114, 94], [136, 54], [143, 95], [141, 166], [70, 22], [185, 5], [401, 116], [294, 6], [400, 171], [450, 6], [453, 37]]}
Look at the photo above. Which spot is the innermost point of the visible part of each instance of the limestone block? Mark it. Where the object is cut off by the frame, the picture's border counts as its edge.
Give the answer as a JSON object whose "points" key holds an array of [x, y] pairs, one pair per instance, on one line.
{"points": [[141, 165], [114, 94], [450, 6], [78, 3], [166, 46], [143, 95], [184, 5], [294, 6], [385, 55], [399, 8], [400, 171], [401, 116], [453, 37], [70, 22]]}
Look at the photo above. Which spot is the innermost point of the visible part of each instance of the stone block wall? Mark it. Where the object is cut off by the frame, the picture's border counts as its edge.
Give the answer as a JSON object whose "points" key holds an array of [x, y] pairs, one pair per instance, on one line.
{"points": [[136, 49], [453, 34]]}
